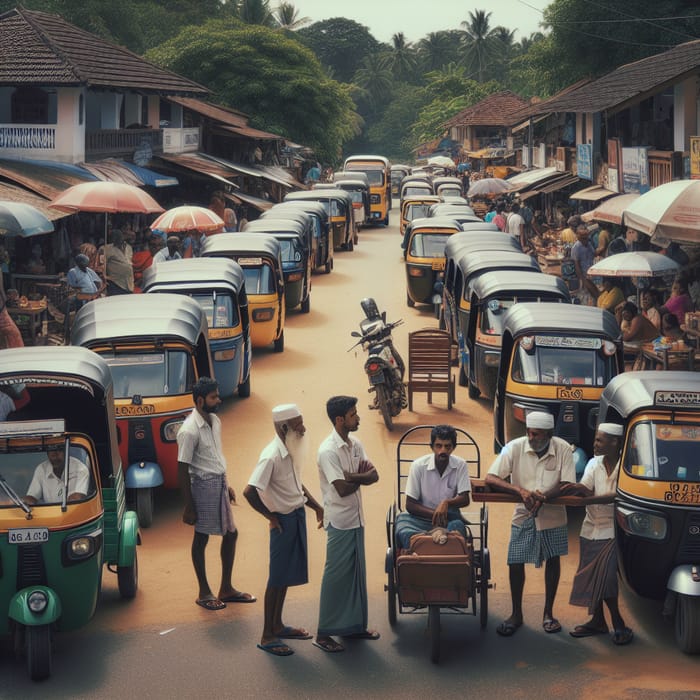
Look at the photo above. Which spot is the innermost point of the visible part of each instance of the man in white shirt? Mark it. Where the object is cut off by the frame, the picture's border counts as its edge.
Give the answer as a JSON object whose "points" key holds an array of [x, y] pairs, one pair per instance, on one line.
{"points": [[537, 464], [276, 491], [208, 497], [47, 484], [437, 487], [343, 469], [595, 582], [170, 252], [515, 225]]}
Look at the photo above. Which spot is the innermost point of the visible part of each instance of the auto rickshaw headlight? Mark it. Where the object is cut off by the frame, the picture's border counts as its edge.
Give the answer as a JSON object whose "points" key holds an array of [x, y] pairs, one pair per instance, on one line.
{"points": [[171, 429], [37, 601], [416, 272], [224, 355], [642, 523], [609, 348], [81, 547]]}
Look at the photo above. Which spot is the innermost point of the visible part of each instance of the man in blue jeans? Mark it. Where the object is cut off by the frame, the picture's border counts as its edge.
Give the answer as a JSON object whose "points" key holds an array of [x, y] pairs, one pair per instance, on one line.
{"points": [[438, 486]]}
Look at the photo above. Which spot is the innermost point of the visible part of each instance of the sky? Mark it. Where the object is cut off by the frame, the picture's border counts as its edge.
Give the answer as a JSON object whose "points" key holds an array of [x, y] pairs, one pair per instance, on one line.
{"points": [[416, 18]]}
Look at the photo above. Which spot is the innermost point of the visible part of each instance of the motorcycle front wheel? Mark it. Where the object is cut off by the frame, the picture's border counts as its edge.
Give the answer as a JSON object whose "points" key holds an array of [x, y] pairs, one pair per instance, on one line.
{"points": [[384, 404]]}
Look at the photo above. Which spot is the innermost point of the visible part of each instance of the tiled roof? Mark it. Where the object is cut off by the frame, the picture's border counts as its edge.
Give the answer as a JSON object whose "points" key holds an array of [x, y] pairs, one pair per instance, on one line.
{"points": [[541, 106], [633, 80], [225, 115], [37, 48], [493, 110]]}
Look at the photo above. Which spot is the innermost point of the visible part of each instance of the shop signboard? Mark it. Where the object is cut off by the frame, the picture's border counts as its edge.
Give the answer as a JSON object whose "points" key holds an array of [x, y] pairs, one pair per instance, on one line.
{"points": [[584, 161], [635, 170]]}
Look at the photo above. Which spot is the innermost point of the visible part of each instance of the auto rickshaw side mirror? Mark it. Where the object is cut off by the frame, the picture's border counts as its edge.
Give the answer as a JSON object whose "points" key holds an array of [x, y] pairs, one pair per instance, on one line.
{"points": [[356, 334]]}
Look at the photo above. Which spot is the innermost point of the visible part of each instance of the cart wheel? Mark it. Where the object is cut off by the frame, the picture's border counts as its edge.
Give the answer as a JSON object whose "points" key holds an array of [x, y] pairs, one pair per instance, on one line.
{"points": [[434, 627], [688, 624], [38, 645], [144, 506], [128, 579], [391, 598]]}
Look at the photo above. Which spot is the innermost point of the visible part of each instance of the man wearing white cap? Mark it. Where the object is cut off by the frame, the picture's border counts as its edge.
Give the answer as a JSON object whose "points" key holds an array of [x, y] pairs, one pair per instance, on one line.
{"points": [[595, 582], [537, 464], [276, 491]]}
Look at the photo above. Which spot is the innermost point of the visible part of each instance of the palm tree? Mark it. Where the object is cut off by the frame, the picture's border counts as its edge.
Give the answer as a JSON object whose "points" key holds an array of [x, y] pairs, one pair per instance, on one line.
{"points": [[256, 12], [479, 43], [287, 16], [375, 77], [526, 43], [435, 50], [401, 57]]}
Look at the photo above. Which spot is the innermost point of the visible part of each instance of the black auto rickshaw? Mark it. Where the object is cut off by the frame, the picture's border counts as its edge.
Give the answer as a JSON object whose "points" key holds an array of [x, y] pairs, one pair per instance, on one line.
{"points": [[358, 187], [556, 358], [58, 531], [279, 214], [338, 205], [492, 294], [657, 506], [398, 173]]}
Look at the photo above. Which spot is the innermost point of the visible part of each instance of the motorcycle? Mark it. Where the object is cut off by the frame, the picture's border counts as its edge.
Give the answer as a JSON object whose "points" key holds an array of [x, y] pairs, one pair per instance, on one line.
{"points": [[384, 366]]}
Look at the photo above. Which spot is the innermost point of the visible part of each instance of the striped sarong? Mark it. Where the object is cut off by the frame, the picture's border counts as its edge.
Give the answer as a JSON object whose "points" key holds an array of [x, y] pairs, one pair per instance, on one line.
{"points": [[528, 545], [596, 578], [343, 604], [288, 555], [211, 504]]}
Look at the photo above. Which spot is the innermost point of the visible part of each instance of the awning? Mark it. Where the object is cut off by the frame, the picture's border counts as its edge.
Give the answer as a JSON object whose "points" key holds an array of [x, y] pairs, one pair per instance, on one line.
{"points": [[532, 178], [202, 165], [46, 178], [11, 193], [611, 209], [112, 171], [150, 177], [272, 173], [526, 123], [555, 185], [251, 133], [594, 193], [260, 204]]}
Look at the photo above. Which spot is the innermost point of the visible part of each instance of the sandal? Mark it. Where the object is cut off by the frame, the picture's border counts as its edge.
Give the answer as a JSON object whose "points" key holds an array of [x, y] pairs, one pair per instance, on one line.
{"points": [[367, 634], [329, 645], [551, 625], [587, 630], [622, 636], [210, 603], [507, 629]]}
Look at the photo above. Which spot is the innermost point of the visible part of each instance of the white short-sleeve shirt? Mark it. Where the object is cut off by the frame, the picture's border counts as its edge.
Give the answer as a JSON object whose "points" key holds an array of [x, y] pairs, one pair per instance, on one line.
{"points": [[7, 405], [335, 456], [525, 469], [599, 521], [426, 485], [276, 479], [46, 487], [199, 445]]}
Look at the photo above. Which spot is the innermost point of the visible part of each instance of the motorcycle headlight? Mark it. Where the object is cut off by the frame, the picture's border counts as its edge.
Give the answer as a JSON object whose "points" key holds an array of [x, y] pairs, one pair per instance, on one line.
{"points": [[641, 523], [171, 429], [37, 602]]}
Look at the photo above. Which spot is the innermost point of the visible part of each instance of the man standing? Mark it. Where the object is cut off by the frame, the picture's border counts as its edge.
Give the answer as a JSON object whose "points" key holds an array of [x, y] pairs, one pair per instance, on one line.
{"points": [[438, 486], [10, 336], [208, 497], [537, 464], [583, 254], [276, 491], [343, 468], [118, 269], [515, 225]]}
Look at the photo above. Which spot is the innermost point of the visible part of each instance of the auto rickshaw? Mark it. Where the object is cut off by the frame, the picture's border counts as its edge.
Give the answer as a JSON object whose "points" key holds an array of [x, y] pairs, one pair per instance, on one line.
{"points": [[442, 208], [556, 358], [323, 246], [377, 170], [657, 506], [416, 187], [296, 259], [306, 232], [218, 286], [398, 173], [441, 180], [415, 207], [157, 347], [338, 205], [424, 253], [260, 257], [357, 186], [492, 294], [52, 551]]}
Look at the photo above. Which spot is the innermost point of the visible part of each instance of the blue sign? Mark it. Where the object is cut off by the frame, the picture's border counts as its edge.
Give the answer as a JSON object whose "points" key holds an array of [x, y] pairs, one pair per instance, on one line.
{"points": [[584, 161]]}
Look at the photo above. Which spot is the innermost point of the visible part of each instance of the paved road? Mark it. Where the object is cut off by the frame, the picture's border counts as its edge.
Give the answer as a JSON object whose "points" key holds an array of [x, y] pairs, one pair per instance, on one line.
{"points": [[162, 645]]}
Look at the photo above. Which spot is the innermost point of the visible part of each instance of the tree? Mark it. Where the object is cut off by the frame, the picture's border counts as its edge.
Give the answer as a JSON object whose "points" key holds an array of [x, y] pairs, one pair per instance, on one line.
{"points": [[480, 43], [340, 44], [267, 75], [438, 49], [287, 16], [374, 76], [256, 12], [402, 58]]}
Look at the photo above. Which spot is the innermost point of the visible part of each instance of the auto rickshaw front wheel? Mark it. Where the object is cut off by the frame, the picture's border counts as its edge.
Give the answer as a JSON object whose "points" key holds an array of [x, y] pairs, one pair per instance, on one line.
{"points": [[128, 579], [38, 650], [688, 624]]}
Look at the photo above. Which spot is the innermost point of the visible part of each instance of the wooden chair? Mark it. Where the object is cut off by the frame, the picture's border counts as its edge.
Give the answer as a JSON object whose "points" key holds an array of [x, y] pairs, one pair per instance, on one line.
{"points": [[429, 365]]}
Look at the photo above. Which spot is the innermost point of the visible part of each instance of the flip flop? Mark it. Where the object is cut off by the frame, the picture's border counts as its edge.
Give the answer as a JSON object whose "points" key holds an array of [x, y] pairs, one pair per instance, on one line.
{"points": [[210, 603], [551, 625], [238, 598], [276, 648], [329, 645], [294, 633], [367, 634], [622, 636], [507, 629], [587, 631]]}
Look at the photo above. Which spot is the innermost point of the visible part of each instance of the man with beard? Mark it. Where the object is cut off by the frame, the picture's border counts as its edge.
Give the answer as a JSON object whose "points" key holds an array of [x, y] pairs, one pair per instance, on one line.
{"points": [[537, 465], [438, 486], [343, 468], [276, 491], [208, 497]]}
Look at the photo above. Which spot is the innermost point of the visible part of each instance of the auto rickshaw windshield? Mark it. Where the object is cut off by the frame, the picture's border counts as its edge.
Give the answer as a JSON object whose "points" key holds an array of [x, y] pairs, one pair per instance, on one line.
{"points": [[291, 250], [220, 309], [259, 280], [537, 361], [664, 452], [429, 245], [417, 211], [168, 372]]}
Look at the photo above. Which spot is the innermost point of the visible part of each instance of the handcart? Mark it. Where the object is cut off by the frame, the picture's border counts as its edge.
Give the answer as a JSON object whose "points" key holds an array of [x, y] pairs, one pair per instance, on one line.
{"points": [[440, 579]]}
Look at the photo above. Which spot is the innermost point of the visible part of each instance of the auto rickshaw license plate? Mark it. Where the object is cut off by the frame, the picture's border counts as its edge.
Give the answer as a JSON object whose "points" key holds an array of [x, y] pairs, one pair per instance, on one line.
{"points": [[28, 535]]}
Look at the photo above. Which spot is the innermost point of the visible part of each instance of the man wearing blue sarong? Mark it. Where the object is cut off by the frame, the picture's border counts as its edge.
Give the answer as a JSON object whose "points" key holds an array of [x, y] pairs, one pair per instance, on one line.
{"points": [[343, 468], [276, 491]]}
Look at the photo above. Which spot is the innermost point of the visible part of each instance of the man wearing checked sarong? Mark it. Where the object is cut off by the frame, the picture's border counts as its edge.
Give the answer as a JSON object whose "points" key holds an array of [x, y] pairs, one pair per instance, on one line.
{"points": [[537, 465], [276, 491]]}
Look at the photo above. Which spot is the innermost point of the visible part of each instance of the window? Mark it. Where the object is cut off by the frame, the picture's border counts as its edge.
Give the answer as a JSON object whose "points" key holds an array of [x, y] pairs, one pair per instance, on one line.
{"points": [[429, 245], [30, 105], [169, 372], [259, 280], [221, 309]]}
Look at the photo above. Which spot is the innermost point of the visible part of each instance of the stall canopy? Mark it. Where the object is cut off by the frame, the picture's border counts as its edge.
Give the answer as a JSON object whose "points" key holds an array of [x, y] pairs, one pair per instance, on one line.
{"points": [[533, 178], [199, 163], [256, 202], [594, 193], [46, 178], [611, 209], [114, 170], [11, 193], [269, 172]]}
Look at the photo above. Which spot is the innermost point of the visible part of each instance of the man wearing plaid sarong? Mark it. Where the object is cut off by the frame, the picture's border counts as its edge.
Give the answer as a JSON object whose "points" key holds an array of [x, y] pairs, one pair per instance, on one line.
{"points": [[537, 465]]}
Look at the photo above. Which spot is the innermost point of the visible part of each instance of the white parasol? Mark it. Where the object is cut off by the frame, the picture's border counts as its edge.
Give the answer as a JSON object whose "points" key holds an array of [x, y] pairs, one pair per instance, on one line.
{"points": [[637, 263]]}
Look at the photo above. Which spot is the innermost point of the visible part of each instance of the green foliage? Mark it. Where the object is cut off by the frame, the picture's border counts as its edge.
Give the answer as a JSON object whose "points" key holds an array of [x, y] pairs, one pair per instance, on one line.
{"points": [[267, 75]]}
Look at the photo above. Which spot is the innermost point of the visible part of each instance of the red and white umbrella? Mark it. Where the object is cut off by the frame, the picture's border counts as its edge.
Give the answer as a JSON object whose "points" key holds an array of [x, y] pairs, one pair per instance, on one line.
{"points": [[611, 210], [188, 218], [106, 197]]}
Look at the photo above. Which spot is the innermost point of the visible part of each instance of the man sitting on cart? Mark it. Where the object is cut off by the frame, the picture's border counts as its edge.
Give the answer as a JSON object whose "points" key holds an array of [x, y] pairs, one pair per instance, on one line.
{"points": [[438, 486]]}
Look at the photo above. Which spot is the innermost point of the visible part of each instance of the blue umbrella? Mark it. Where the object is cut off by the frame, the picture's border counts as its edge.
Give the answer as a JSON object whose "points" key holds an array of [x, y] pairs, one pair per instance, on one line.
{"points": [[18, 219]]}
